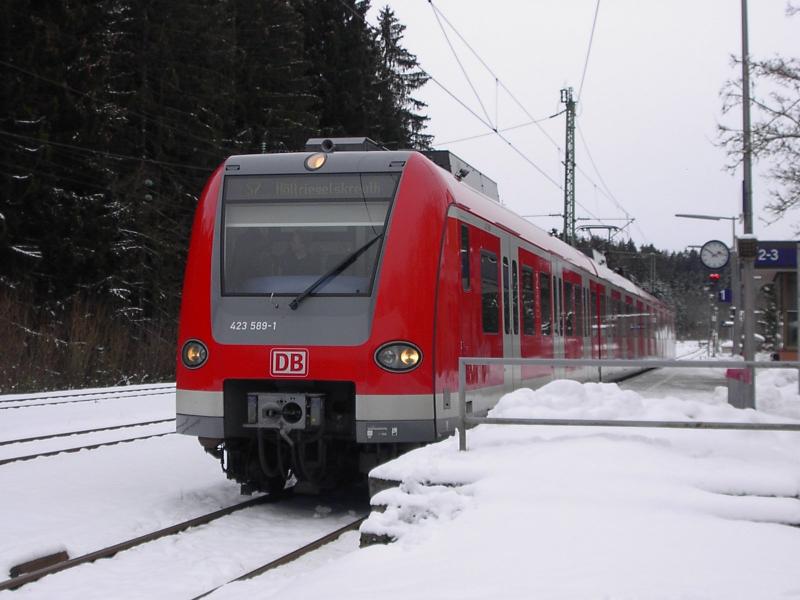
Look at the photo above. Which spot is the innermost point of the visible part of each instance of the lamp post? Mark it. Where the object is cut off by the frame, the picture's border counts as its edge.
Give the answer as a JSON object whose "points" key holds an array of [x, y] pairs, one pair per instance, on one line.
{"points": [[749, 247], [735, 285]]}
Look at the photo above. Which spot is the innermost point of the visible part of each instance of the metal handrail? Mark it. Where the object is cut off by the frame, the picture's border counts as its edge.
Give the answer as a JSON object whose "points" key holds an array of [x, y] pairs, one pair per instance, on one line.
{"points": [[465, 420]]}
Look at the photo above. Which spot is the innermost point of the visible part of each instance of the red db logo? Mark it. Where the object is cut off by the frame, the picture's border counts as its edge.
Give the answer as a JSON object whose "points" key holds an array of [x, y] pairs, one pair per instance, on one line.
{"points": [[288, 363]]}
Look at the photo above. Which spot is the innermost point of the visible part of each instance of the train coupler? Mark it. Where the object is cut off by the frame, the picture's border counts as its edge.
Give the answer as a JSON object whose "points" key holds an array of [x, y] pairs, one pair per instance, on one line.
{"points": [[285, 412]]}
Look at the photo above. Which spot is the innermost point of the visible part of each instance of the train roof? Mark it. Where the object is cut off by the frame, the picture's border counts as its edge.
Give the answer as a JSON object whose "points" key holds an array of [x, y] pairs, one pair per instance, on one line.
{"points": [[474, 201]]}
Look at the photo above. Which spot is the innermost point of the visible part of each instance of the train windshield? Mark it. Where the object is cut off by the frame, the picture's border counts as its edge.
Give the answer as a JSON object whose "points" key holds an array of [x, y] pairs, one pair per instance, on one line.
{"points": [[282, 232]]}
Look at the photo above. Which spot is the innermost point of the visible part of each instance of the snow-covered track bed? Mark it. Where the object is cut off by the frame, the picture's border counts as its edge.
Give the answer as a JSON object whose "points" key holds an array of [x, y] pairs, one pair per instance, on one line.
{"points": [[104, 416], [691, 354], [30, 401]]}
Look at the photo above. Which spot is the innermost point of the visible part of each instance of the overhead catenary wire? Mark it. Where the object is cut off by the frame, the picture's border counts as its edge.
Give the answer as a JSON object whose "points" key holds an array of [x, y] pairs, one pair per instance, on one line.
{"points": [[498, 81], [486, 122], [588, 50], [599, 188], [463, 70], [503, 130], [608, 193]]}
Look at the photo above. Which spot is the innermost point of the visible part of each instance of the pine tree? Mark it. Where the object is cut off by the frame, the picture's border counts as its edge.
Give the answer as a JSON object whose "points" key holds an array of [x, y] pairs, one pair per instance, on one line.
{"points": [[342, 56], [399, 123], [271, 89]]}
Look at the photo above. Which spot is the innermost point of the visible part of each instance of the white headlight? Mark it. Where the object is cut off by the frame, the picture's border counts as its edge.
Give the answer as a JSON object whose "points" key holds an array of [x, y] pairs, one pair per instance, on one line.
{"points": [[398, 356], [194, 354]]}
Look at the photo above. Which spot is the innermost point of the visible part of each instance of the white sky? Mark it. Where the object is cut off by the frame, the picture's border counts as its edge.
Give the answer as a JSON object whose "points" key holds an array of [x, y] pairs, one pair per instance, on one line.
{"points": [[649, 107]]}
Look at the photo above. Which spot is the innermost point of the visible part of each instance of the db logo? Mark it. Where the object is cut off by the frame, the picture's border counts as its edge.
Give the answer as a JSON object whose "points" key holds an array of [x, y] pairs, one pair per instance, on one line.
{"points": [[288, 363]]}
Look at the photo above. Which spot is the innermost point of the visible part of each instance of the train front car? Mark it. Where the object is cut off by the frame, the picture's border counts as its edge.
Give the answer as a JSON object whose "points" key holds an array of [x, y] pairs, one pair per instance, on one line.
{"points": [[307, 311]]}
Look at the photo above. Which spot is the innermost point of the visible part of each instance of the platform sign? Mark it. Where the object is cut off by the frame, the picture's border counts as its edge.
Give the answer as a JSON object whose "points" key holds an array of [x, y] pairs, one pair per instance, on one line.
{"points": [[725, 295], [776, 255]]}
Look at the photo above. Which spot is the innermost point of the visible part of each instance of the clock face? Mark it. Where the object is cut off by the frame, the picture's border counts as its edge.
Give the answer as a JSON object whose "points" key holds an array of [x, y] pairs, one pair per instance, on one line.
{"points": [[714, 254]]}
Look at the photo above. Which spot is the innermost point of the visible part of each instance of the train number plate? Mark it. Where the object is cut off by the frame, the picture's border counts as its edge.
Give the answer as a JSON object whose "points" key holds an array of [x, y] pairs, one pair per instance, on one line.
{"points": [[285, 362]]}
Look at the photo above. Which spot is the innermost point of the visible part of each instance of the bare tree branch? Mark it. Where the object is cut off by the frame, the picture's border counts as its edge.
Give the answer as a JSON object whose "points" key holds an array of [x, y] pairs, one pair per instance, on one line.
{"points": [[776, 124]]}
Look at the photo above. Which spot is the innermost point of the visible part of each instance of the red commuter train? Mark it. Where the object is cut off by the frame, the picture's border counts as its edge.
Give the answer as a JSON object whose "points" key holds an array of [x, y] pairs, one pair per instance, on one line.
{"points": [[329, 293]]}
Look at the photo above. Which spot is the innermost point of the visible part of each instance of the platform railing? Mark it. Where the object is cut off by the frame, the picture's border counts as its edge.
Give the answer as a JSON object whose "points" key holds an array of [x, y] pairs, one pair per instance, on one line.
{"points": [[741, 371]]}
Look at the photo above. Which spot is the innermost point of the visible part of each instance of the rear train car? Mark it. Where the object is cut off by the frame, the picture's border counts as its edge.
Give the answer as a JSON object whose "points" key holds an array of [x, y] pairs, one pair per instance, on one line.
{"points": [[329, 293]]}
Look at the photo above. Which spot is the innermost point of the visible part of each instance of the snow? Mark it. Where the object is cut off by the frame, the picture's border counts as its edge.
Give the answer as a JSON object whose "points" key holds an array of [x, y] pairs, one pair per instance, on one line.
{"points": [[527, 512]]}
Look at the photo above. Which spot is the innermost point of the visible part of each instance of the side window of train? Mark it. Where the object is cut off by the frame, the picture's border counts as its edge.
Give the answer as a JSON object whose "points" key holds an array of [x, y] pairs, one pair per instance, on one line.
{"points": [[544, 302], [515, 295], [489, 293], [464, 250], [578, 311], [593, 312], [506, 299], [528, 304]]}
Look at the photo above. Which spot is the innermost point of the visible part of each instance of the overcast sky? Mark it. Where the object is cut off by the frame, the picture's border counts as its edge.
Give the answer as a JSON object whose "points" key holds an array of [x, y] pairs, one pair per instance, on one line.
{"points": [[648, 109]]}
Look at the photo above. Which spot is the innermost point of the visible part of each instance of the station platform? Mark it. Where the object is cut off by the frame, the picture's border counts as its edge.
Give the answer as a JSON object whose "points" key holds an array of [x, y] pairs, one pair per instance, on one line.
{"points": [[700, 383]]}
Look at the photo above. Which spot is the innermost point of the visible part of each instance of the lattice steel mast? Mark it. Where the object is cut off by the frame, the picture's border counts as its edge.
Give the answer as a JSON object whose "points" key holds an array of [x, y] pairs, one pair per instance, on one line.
{"points": [[569, 169]]}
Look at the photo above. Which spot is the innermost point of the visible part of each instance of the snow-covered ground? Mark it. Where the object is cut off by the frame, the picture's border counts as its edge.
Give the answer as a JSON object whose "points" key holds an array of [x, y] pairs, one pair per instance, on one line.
{"points": [[527, 512], [84, 501]]}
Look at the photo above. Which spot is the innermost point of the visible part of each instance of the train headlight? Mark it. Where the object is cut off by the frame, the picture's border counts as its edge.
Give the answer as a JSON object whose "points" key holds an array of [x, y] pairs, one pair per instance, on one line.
{"points": [[398, 356], [315, 161], [194, 354]]}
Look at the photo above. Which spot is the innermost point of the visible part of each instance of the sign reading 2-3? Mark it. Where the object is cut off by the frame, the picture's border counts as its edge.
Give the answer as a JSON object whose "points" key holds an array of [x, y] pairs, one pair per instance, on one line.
{"points": [[768, 255], [774, 255]]}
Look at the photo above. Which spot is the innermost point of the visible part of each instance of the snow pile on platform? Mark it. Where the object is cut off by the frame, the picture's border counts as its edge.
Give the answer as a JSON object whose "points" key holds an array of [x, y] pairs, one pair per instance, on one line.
{"points": [[578, 512]]}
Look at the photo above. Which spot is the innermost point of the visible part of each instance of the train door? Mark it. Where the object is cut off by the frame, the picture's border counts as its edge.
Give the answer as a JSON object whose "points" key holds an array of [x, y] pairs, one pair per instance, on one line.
{"points": [[630, 329], [587, 320], [597, 293], [616, 345], [641, 336], [572, 314], [558, 313], [485, 324], [510, 330], [536, 340]]}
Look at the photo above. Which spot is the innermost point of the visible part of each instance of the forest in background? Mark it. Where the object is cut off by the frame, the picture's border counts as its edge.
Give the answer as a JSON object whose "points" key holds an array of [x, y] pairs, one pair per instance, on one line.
{"points": [[114, 114]]}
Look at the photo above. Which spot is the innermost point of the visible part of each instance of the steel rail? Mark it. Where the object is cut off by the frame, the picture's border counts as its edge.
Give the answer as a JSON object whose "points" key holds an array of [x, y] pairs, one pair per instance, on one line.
{"points": [[17, 582], [6, 461], [291, 556], [74, 393], [109, 397], [83, 432]]}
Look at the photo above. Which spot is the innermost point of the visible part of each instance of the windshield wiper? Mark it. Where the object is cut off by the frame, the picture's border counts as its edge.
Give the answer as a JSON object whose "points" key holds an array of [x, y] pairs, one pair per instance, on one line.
{"points": [[334, 272]]}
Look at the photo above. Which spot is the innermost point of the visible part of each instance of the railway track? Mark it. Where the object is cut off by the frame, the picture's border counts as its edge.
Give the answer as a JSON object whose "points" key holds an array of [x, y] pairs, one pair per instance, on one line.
{"points": [[29, 572], [290, 556], [35, 570], [81, 393], [6, 461], [82, 432], [42, 401]]}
